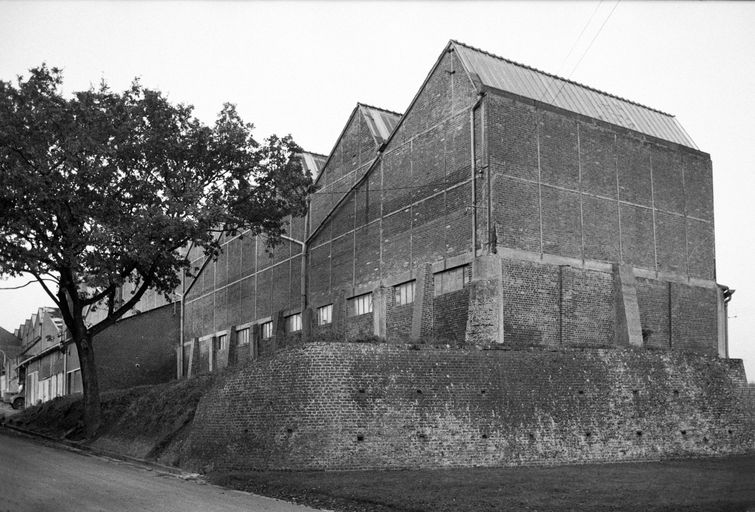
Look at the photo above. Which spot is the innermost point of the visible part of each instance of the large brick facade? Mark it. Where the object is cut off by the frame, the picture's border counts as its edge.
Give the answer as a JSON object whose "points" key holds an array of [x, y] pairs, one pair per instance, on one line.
{"points": [[562, 200], [488, 215]]}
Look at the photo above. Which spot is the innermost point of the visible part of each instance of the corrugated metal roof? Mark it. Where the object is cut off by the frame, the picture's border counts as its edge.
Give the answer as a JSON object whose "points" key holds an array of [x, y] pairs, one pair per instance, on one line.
{"points": [[381, 122], [313, 162], [506, 75]]}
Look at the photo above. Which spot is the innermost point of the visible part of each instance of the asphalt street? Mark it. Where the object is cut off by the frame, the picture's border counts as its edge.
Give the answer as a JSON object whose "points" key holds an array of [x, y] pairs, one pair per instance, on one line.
{"points": [[35, 477]]}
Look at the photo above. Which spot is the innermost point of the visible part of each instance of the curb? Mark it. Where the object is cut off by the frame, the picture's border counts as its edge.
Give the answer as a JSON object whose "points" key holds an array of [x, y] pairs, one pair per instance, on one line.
{"points": [[88, 450]]}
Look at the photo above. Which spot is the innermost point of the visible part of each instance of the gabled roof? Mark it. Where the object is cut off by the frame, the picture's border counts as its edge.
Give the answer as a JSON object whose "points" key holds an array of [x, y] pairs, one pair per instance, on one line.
{"points": [[8, 340], [313, 162], [506, 75], [380, 121]]}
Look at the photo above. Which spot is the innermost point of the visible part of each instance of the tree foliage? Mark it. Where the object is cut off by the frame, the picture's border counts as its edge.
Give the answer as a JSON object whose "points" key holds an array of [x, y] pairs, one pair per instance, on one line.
{"points": [[101, 188]]}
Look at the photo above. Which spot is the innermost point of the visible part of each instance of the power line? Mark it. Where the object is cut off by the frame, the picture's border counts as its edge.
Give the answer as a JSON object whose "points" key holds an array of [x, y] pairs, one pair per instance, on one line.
{"points": [[594, 38], [574, 45]]}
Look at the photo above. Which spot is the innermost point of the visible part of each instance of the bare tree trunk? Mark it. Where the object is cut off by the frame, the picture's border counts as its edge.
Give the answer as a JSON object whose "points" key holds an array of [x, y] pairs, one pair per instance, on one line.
{"points": [[92, 409]]}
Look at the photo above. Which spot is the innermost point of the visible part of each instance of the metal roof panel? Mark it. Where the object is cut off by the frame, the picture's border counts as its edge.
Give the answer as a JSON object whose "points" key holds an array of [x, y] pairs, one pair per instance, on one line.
{"points": [[506, 75]]}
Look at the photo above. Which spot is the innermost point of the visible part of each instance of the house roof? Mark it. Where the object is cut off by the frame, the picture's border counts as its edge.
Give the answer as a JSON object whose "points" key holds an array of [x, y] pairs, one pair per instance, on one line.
{"points": [[7, 339], [506, 75]]}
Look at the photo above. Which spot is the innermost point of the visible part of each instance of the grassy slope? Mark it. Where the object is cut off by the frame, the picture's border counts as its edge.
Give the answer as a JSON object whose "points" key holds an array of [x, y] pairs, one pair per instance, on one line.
{"points": [[146, 421]]}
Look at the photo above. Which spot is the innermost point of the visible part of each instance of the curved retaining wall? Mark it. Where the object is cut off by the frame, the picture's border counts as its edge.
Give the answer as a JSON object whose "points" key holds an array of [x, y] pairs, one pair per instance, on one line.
{"points": [[359, 406]]}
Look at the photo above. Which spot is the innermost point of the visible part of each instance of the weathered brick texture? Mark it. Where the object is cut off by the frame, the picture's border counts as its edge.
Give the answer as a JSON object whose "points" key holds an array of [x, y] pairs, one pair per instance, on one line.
{"points": [[568, 186], [359, 406], [567, 198]]}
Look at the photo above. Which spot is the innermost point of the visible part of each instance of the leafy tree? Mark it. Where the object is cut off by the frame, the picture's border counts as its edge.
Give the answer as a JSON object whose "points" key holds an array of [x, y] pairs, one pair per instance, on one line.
{"points": [[100, 188]]}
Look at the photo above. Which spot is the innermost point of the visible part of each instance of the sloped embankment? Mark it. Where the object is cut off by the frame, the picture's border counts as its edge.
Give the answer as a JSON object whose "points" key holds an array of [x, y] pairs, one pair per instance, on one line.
{"points": [[148, 422]]}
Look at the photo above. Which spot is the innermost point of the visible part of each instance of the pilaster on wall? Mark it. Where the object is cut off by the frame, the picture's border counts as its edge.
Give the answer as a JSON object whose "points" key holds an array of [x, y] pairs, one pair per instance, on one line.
{"points": [[307, 321], [339, 316], [194, 357], [723, 342], [628, 325], [380, 311], [232, 357], [254, 344], [279, 331], [424, 291], [485, 318]]}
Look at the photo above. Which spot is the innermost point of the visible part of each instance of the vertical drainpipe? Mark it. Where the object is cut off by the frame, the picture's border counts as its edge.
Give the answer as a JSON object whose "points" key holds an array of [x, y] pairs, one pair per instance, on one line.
{"points": [[180, 351], [486, 162], [474, 173], [64, 391], [304, 263]]}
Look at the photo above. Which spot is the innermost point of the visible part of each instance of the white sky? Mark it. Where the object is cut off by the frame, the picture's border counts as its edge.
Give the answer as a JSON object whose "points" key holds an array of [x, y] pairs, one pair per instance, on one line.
{"points": [[299, 68]]}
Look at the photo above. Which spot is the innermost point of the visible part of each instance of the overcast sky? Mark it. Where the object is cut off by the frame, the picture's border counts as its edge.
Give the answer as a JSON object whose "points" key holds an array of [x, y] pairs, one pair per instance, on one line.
{"points": [[299, 68]]}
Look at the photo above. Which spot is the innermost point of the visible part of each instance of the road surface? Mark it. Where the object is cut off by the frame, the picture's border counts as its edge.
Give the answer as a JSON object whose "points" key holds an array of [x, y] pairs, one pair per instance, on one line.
{"points": [[35, 477]]}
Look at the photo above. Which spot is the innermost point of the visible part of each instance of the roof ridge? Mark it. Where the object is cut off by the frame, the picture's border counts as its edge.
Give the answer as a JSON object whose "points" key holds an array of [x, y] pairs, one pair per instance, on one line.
{"points": [[359, 103], [313, 153], [470, 47]]}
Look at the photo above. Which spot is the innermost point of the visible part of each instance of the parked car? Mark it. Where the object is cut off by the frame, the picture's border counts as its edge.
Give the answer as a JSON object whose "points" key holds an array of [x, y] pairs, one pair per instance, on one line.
{"points": [[15, 399]]}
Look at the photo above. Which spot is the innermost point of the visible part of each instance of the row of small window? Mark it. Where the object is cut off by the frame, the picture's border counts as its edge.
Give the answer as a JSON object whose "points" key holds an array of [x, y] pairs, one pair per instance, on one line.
{"points": [[293, 324], [445, 282]]}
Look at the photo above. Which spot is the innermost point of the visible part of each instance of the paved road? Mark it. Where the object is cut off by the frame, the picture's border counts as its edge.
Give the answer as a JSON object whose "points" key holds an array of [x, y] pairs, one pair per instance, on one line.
{"points": [[6, 410], [39, 478]]}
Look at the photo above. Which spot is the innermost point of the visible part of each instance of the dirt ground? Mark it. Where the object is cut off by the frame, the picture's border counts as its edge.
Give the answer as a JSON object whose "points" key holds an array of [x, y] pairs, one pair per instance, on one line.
{"points": [[718, 484]]}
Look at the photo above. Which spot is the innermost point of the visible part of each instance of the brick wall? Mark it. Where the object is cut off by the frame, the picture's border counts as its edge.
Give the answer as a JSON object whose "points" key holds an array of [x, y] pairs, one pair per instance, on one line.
{"points": [[358, 406], [569, 186], [414, 206], [531, 303], [678, 316], [249, 281], [450, 312], [654, 302], [399, 321], [138, 350], [588, 308], [359, 326]]}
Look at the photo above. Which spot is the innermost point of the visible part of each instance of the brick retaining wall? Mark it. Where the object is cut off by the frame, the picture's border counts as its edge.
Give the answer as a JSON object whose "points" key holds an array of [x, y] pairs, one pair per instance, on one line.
{"points": [[358, 406]]}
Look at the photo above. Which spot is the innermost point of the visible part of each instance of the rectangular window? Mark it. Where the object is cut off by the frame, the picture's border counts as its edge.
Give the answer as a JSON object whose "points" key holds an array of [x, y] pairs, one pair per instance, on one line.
{"points": [[451, 280], [242, 337], [325, 314], [360, 305], [267, 330], [293, 323], [74, 382], [222, 342], [403, 293]]}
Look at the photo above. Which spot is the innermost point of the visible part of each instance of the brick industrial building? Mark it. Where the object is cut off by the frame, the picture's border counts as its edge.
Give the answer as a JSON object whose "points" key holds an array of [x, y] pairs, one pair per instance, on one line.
{"points": [[506, 206], [536, 259]]}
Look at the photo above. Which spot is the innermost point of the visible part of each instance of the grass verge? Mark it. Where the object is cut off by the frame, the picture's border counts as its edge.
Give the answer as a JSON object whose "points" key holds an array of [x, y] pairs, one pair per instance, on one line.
{"points": [[691, 485], [145, 421]]}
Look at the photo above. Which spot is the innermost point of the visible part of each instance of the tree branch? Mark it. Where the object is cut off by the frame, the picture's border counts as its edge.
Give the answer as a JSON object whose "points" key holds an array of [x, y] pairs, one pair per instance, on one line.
{"points": [[35, 280], [112, 318], [96, 298], [41, 281]]}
